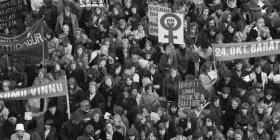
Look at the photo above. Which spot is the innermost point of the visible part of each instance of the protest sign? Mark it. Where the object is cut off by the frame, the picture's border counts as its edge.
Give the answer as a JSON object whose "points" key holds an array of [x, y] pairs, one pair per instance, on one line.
{"points": [[170, 28], [189, 93], [92, 3], [232, 51], [53, 89], [153, 17], [27, 46], [9, 12]]}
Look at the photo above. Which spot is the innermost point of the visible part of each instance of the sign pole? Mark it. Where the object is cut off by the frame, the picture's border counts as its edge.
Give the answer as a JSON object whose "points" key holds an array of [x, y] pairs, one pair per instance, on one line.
{"points": [[68, 106]]}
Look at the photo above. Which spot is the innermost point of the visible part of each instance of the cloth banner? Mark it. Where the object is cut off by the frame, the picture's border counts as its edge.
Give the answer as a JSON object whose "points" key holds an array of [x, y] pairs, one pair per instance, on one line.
{"points": [[92, 3], [153, 17], [224, 52], [171, 28], [53, 89], [189, 93], [9, 11], [28, 46]]}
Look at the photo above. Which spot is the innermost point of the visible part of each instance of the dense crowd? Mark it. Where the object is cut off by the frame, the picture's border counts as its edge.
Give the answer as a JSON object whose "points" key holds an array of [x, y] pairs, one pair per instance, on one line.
{"points": [[123, 83]]}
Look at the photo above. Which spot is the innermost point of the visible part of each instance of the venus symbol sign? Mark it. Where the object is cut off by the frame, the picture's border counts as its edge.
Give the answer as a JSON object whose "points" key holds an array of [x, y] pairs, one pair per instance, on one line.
{"points": [[170, 28]]}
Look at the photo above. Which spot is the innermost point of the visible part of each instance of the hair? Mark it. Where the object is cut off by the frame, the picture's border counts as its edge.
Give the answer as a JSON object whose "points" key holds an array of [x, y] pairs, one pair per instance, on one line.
{"points": [[238, 131], [204, 68], [113, 33], [236, 99], [85, 102], [220, 36], [238, 35], [108, 77], [92, 83], [148, 86]]}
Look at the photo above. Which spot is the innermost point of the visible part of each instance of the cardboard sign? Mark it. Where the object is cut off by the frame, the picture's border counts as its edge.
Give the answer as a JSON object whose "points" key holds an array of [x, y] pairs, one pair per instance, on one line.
{"points": [[53, 89], [153, 17], [92, 3], [232, 51], [189, 93], [171, 28], [9, 11]]}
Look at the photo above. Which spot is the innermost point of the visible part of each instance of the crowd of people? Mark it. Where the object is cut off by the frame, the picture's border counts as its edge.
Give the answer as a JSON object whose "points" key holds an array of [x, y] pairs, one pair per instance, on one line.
{"points": [[123, 83]]}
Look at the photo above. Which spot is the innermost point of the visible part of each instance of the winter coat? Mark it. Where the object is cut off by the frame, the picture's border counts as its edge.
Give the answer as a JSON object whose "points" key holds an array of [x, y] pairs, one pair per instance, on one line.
{"points": [[170, 88], [59, 23], [216, 114], [256, 136]]}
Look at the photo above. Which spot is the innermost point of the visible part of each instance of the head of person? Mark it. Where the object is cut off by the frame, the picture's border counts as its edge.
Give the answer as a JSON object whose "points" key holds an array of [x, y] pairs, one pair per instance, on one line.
{"points": [[109, 127], [238, 65], [67, 11], [269, 95], [238, 37], [260, 127], [235, 102], [20, 130], [73, 65], [85, 106], [238, 134], [42, 73], [151, 134], [173, 73], [89, 129], [108, 81], [219, 38], [244, 108], [260, 23], [149, 88], [6, 85], [49, 124], [261, 108], [92, 87], [225, 92]]}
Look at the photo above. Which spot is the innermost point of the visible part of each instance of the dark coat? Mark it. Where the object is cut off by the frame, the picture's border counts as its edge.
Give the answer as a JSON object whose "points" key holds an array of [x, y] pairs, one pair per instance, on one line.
{"points": [[116, 135], [97, 101], [170, 88], [216, 115]]}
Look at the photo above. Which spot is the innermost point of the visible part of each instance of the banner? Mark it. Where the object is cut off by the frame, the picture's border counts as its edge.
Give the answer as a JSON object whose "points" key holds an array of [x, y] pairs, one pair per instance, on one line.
{"points": [[53, 89], [92, 3], [153, 17], [171, 28], [9, 11], [189, 93], [28, 46], [232, 51]]}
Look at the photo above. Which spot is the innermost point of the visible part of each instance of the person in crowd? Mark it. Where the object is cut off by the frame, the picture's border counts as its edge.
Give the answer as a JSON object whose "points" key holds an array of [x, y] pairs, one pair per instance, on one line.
{"points": [[109, 133], [20, 133], [70, 19], [88, 133], [170, 85]]}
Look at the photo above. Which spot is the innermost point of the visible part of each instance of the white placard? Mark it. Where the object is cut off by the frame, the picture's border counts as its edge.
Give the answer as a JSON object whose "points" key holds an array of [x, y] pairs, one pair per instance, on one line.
{"points": [[171, 28]]}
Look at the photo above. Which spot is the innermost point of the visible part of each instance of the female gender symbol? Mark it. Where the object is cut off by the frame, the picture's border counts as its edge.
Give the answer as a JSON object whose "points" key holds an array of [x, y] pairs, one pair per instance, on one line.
{"points": [[170, 26]]}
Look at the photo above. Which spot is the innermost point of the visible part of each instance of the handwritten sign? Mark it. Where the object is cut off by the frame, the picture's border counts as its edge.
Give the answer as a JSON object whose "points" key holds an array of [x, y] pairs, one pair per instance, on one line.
{"points": [[189, 93], [9, 11], [153, 17], [232, 51], [92, 3], [170, 26]]}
